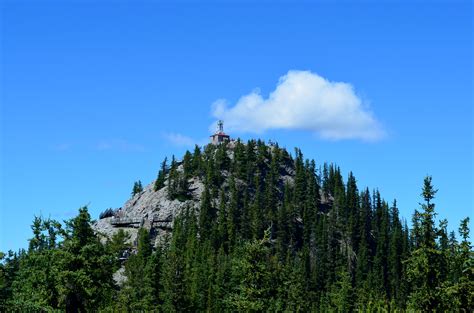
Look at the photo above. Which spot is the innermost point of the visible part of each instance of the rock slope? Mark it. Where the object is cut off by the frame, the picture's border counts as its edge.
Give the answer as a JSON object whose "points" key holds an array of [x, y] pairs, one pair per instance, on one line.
{"points": [[150, 209]]}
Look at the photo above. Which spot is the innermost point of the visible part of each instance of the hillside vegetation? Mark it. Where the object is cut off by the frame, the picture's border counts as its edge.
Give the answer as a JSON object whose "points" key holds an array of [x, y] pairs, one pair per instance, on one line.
{"points": [[268, 231]]}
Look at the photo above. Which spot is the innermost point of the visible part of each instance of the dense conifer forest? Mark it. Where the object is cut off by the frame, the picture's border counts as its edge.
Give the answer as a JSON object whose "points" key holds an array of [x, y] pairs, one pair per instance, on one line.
{"points": [[274, 232]]}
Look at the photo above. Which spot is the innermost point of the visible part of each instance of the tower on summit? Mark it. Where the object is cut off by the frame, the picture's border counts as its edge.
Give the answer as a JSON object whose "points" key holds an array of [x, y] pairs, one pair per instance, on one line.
{"points": [[219, 136]]}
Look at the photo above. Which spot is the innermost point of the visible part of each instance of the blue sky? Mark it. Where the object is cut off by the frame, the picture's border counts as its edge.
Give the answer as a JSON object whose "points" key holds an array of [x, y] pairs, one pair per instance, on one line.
{"points": [[94, 94]]}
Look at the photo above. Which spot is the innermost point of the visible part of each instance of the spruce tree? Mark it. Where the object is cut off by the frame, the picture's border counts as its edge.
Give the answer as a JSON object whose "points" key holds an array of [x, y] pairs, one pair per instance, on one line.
{"points": [[160, 180], [197, 162], [233, 216], [137, 188], [222, 220], [465, 286], [423, 264], [395, 256], [174, 295]]}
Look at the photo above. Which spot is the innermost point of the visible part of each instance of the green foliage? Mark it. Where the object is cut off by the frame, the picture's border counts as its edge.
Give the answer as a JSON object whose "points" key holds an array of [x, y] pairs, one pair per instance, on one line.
{"points": [[422, 264], [139, 292], [271, 233], [118, 243], [178, 180], [137, 188], [251, 277], [160, 180], [75, 274]]}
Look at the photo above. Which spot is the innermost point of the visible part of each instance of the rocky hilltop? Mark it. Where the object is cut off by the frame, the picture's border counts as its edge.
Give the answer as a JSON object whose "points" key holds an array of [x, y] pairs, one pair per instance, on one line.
{"points": [[155, 210], [151, 209]]}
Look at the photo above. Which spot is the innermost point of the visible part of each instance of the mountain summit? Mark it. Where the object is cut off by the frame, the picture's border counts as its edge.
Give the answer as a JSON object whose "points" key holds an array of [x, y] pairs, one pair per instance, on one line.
{"points": [[246, 169]]}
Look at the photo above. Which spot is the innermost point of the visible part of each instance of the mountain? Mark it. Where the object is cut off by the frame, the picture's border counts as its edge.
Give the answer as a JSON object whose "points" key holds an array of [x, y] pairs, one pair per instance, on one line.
{"points": [[155, 210], [245, 227]]}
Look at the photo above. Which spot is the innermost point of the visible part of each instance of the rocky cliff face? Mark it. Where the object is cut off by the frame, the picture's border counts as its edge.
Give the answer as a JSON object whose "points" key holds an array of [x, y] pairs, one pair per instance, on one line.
{"points": [[150, 209]]}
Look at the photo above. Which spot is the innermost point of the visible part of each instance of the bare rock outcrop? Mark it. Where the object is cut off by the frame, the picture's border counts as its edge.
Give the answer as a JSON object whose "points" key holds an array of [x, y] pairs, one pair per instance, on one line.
{"points": [[150, 209]]}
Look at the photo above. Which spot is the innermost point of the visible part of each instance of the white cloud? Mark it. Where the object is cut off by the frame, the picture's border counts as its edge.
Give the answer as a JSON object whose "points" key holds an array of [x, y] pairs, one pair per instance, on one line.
{"points": [[305, 101]]}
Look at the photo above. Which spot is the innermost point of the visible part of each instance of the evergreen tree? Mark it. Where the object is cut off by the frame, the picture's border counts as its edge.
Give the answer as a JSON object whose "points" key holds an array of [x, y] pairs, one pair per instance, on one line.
{"points": [[223, 240], [197, 162], [35, 286], [160, 180], [239, 165], [352, 206], [174, 288], [423, 264], [137, 188], [188, 169], [135, 294], [365, 252], [380, 270], [207, 214], [395, 256], [117, 246], [256, 213], [75, 276], [233, 221], [173, 179], [341, 295], [251, 276], [464, 289]]}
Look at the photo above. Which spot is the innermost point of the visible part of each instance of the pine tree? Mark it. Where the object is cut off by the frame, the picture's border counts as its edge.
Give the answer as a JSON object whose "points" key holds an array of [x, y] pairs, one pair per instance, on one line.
{"points": [[239, 165], [9, 270], [423, 265], [197, 162], [395, 256], [251, 275], [366, 240], [250, 163], [294, 291], [300, 184], [380, 272], [173, 179], [117, 246], [174, 295], [256, 208], [160, 180], [153, 280], [311, 204], [352, 206], [137, 188], [341, 295], [188, 169], [271, 193], [223, 240], [233, 221], [465, 287], [135, 293], [35, 285], [207, 214], [222, 285]]}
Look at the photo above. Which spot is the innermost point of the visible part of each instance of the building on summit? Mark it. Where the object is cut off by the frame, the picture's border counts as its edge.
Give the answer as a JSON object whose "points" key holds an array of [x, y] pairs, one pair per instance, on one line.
{"points": [[219, 136]]}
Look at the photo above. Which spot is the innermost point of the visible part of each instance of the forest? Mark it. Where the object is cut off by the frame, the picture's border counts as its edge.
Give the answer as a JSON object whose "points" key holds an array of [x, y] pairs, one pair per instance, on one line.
{"points": [[273, 232]]}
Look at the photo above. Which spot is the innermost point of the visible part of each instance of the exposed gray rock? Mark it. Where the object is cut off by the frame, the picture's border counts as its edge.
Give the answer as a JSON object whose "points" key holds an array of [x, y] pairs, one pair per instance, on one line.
{"points": [[145, 208], [119, 276]]}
